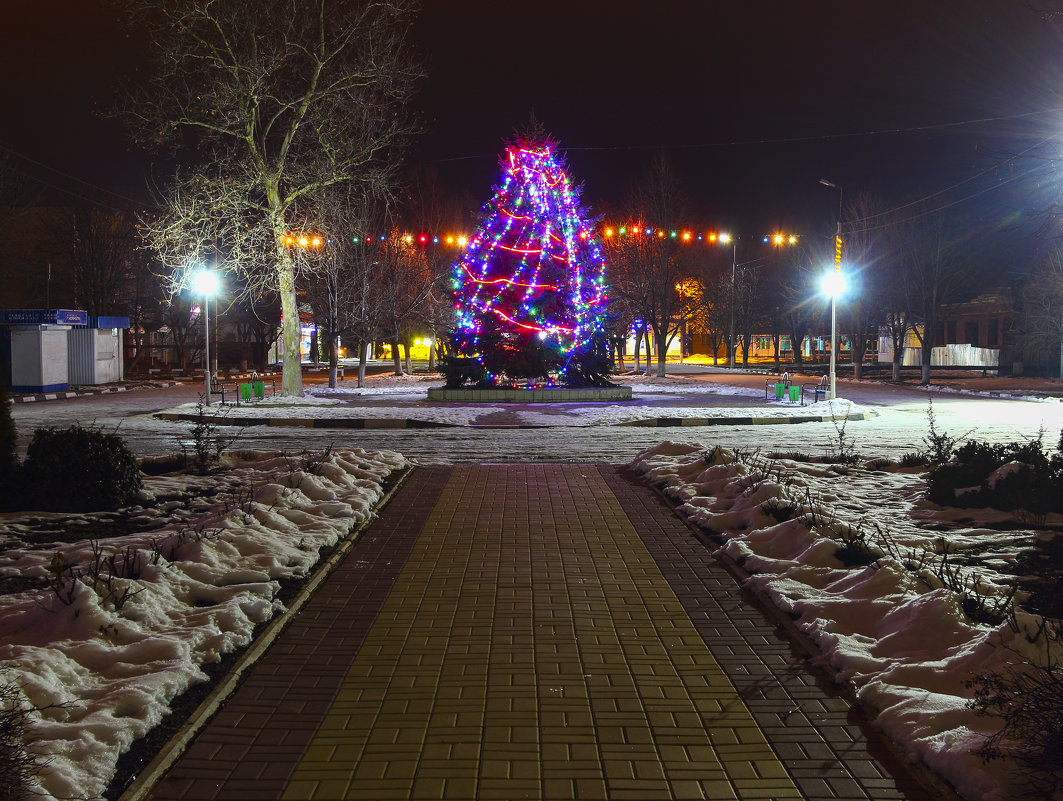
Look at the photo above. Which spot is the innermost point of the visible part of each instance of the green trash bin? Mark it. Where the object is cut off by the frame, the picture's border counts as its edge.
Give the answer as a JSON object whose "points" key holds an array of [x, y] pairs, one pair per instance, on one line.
{"points": [[245, 392], [779, 387], [260, 389], [795, 393]]}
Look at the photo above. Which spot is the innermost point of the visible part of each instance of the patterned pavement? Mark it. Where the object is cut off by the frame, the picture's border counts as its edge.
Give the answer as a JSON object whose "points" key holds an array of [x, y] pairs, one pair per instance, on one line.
{"points": [[539, 631]]}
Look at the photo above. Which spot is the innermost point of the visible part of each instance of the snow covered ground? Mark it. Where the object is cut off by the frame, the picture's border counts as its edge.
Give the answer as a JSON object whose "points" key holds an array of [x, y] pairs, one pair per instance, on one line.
{"points": [[890, 628], [899, 637], [105, 666]]}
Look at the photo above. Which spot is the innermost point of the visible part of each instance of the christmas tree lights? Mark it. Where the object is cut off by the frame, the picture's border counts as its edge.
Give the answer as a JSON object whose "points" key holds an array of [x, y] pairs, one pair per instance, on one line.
{"points": [[530, 288]]}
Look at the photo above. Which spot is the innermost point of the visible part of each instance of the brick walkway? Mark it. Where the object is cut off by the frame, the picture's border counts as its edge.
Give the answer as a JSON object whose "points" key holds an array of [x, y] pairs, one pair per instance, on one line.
{"points": [[532, 631]]}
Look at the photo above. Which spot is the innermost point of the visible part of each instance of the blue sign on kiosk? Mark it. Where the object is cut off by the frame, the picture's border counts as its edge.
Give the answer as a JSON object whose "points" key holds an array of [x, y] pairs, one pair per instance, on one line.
{"points": [[43, 317]]}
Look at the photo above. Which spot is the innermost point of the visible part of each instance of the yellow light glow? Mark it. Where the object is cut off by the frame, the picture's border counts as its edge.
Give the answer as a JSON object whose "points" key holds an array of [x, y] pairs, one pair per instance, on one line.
{"points": [[317, 242], [462, 240], [778, 239], [725, 238], [302, 241], [793, 240], [608, 231], [408, 238], [450, 240]]}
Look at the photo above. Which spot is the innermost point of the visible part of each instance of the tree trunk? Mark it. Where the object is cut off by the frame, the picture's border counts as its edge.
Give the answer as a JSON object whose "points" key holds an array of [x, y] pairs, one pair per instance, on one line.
{"points": [[796, 346], [291, 370], [897, 355], [662, 354], [363, 351], [409, 363], [618, 352], [396, 358], [333, 360]]}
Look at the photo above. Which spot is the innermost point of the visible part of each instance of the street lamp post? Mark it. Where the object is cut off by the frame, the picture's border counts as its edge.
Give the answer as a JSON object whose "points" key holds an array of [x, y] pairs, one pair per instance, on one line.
{"points": [[834, 285], [206, 284], [725, 239]]}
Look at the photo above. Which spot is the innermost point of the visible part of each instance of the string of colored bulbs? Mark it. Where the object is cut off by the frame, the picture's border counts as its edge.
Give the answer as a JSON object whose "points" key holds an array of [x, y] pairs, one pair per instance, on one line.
{"points": [[460, 240]]}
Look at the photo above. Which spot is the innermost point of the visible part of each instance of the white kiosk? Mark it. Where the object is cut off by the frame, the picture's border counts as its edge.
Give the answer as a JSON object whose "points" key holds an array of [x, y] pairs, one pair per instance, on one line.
{"points": [[33, 348]]}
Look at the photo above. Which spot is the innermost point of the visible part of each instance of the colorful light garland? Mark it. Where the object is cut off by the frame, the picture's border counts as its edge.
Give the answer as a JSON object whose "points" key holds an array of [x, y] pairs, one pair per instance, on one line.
{"points": [[535, 266], [312, 241]]}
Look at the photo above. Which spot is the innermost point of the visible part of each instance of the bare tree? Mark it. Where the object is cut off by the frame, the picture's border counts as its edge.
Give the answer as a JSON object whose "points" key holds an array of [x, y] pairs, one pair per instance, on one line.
{"points": [[801, 305], [403, 283], [868, 260], [933, 275], [340, 287], [1042, 305], [648, 266], [104, 249], [279, 101]]}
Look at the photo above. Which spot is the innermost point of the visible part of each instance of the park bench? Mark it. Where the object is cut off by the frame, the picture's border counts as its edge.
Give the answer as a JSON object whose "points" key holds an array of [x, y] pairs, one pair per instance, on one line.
{"points": [[818, 390]]}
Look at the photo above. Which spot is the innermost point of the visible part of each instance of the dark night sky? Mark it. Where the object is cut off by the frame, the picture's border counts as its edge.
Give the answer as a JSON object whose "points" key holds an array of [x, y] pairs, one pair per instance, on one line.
{"points": [[753, 102]]}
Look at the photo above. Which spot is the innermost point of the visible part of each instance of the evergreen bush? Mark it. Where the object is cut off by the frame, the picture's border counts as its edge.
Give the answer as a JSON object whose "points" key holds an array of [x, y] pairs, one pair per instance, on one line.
{"points": [[1036, 484], [9, 467], [79, 470]]}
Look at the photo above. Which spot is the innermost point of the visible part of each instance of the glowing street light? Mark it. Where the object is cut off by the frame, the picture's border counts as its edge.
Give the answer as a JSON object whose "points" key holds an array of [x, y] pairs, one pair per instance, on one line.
{"points": [[833, 285], [205, 283]]}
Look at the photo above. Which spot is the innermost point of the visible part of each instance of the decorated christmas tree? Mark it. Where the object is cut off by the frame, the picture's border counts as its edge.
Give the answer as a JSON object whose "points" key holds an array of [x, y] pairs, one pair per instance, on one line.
{"points": [[529, 290]]}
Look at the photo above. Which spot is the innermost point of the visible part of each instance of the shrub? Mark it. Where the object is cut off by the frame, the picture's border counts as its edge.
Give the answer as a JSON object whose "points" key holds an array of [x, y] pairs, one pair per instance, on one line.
{"points": [[9, 467], [203, 452], [18, 765], [1028, 700], [459, 369], [914, 460], [939, 445], [79, 470], [1036, 485]]}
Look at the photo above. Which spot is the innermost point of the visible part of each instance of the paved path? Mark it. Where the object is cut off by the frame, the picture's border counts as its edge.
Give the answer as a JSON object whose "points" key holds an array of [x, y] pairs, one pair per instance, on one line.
{"points": [[532, 631]]}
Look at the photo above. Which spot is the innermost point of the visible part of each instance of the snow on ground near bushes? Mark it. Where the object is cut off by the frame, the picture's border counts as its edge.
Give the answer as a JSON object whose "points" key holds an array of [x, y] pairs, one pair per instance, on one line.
{"points": [[115, 671], [900, 638], [340, 402]]}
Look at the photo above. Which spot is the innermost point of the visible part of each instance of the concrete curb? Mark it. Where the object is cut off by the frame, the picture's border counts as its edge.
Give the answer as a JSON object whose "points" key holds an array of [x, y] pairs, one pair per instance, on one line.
{"points": [[378, 423], [81, 393], [305, 422], [147, 778], [674, 422]]}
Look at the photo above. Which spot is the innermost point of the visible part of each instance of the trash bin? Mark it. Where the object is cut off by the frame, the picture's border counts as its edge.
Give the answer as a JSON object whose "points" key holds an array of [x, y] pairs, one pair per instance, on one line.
{"points": [[779, 387], [245, 392], [795, 393], [260, 389]]}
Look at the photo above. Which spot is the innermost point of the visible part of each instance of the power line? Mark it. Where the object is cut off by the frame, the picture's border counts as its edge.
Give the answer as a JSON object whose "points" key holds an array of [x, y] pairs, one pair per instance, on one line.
{"points": [[788, 139], [957, 185], [68, 176]]}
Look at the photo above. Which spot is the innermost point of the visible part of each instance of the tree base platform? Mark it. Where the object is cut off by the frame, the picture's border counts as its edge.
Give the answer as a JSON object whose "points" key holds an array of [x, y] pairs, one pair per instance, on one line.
{"points": [[533, 395]]}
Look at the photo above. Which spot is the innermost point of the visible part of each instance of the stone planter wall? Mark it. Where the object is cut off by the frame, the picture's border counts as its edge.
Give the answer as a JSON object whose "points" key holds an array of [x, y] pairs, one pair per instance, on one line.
{"points": [[550, 395]]}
